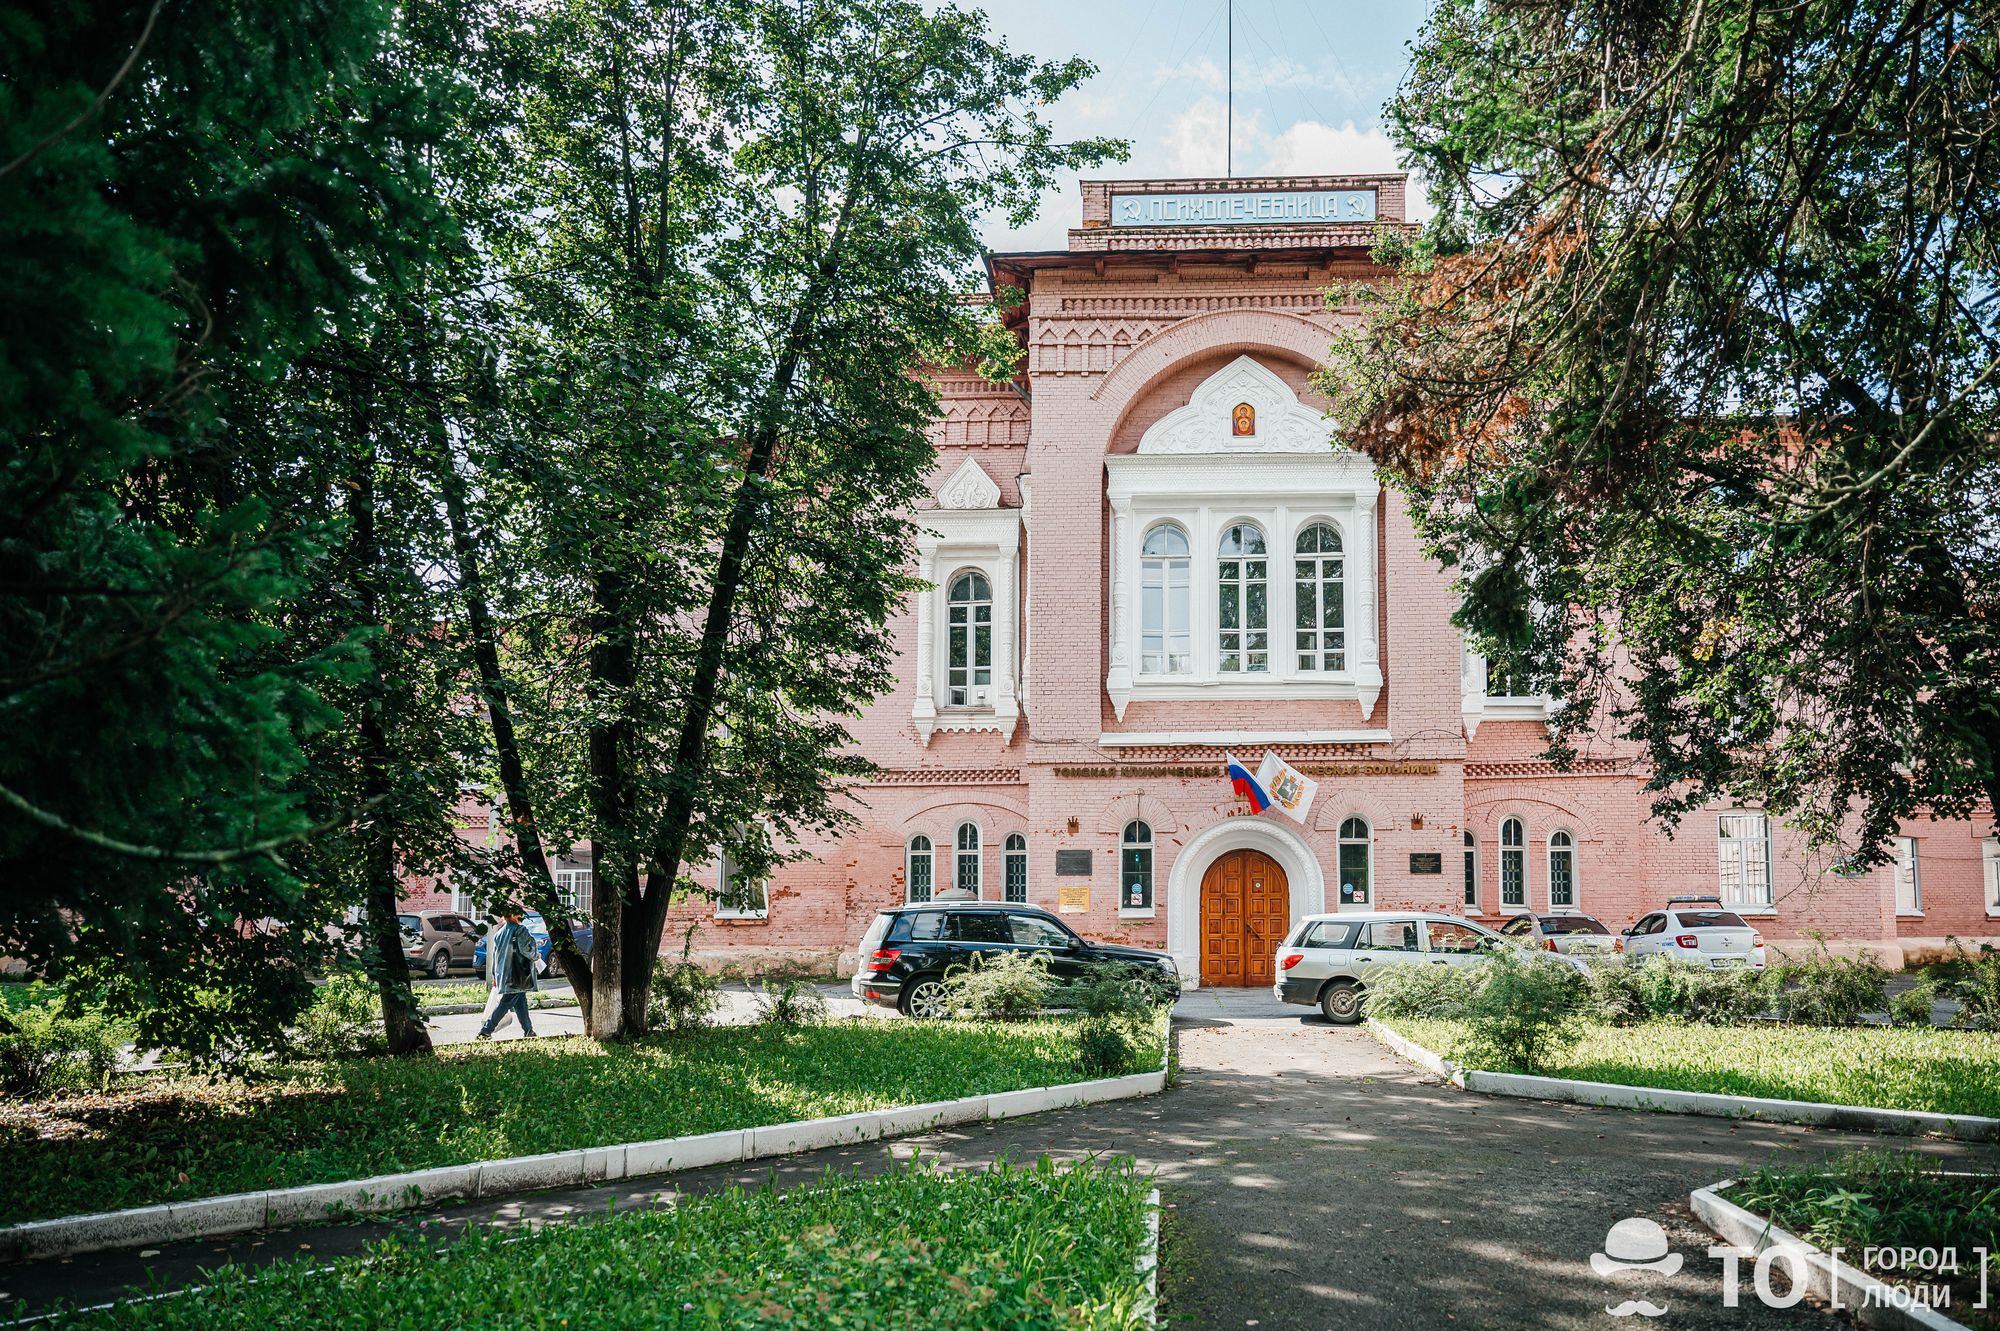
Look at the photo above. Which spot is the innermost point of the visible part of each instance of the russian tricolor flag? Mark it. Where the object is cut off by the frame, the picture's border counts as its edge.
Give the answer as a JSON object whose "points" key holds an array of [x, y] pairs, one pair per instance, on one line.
{"points": [[1246, 785]]}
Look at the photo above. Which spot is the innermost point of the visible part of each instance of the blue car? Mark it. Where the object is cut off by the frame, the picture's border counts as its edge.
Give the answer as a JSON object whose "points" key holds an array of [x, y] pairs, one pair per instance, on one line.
{"points": [[538, 928]]}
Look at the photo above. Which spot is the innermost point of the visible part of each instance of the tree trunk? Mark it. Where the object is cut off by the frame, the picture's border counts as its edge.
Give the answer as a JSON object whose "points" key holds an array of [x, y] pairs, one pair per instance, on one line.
{"points": [[402, 1024], [614, 878]]}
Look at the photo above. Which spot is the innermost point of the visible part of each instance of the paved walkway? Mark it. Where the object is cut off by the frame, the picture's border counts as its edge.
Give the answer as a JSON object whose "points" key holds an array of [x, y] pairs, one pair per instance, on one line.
{"points": [[1313, 1181]]}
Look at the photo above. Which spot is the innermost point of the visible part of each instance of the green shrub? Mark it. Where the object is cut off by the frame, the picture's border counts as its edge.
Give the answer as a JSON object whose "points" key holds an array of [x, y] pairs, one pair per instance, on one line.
{"points": [[1108, 989], [1612, 994], [1526, 1010], [1825, 990], [793, 1003], [1978, 987], [1103, 1049], [1675, 990], [681, 996], [1912, 1007], [42, 1051], [1424, 991], [999, 986], [344, 1018]]}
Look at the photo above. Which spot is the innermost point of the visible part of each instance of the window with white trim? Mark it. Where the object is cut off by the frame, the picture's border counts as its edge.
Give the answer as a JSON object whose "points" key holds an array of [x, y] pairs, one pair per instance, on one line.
{"points": [[1016, 878], [1166, 638], [1135, 867], [1356, 852], [1513, 865], [1471, 872], [1243, 601], [1318, 607], [1562, 872], [573, 885], [1743, 860], [1990, 853], [1909, 880], [919, 864], [967, 863], [969, 641], [738, 896]]}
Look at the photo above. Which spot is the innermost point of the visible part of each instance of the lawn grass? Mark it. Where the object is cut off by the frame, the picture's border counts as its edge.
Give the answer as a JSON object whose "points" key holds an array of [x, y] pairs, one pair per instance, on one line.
{"points": [[458, 993], [1047, 1246], [1936, 1071], [1891, 1200], [173, 1138]]}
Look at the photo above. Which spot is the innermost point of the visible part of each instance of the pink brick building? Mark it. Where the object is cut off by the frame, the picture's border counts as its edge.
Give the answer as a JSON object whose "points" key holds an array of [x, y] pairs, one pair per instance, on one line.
{"points": [[1145, 554]]}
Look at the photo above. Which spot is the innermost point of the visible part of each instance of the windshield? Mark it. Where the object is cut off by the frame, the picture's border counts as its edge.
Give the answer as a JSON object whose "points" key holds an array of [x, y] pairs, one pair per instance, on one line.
{"points": [[411, 924], [878, 929], [1711, 919]]}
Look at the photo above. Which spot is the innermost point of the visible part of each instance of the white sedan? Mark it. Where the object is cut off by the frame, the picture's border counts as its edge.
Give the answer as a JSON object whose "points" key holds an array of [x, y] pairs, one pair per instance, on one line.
{"points": [[1697, 931]]}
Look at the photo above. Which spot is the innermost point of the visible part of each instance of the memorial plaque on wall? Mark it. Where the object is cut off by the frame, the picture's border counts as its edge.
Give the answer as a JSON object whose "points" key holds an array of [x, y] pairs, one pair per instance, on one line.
{"points": [[1073, 898], [1072, 864], [1426, 861]]}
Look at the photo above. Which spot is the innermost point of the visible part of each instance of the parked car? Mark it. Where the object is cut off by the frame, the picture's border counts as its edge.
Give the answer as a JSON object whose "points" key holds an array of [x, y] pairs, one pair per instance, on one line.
{"points": [[1327, 960], [1698, 931], [539, 929], [1571, 935], [907, 951], [435, 941]]}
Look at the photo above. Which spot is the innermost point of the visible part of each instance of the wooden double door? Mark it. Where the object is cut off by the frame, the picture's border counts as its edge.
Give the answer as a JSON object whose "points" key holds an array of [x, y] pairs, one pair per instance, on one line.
{"points": [[1246, 906]]}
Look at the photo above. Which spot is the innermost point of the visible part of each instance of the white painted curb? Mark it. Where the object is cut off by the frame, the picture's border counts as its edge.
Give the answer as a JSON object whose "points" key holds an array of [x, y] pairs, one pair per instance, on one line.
{"points": [[238, 1212], [1847, 1287], [1149, 1258], [1859, 1118]]}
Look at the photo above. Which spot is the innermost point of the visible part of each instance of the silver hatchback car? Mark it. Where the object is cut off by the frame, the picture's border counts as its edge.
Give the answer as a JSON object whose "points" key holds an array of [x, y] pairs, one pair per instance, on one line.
{"points": [[1328, 959]]}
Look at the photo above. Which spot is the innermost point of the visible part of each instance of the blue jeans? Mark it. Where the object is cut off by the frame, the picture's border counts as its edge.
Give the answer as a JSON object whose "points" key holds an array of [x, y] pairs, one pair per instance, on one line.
{"points": [[514, 1003]]}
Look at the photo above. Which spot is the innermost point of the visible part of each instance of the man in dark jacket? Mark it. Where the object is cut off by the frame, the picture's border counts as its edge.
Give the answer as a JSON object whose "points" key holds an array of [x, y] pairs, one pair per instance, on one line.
{"points": [[510, 969]]}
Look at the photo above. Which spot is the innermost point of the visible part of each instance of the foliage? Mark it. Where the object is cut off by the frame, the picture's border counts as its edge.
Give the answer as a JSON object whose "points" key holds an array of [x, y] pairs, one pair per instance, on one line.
{"points": [[1423, 991], [159, 1138], [1914, 1006], [789, 1003], [1936, 1071], [999, 986], [43, 1051], [342, 1020], [1663, 987], [1824, 990], [1977, 987], [1040, 1247], [683, 995], [1692, 377], [1102, 1047], [1525, 1011], [1110, 989]]}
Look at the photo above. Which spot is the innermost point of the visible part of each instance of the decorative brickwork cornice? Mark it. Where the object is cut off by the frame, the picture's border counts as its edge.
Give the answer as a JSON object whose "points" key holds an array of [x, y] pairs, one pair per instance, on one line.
{"points": [[947, 776], [1538, 769]]}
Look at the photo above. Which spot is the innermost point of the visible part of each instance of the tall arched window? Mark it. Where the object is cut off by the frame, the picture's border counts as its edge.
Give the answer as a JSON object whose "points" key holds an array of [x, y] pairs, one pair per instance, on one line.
{"points": [[1166, 640], [918, 868], [969, 634], [1319, 605], [1243, 594], [1016, 880], [1513, 865], [1471, 872], [1135, 868], [965, 882], [1356, 863], [1562, 872]]}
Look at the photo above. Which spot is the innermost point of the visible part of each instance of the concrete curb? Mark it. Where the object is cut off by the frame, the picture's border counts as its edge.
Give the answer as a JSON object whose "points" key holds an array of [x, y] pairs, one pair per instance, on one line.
{"points": [[1858, 1118], [460, 1009], [237, 1212], [1872, 1302], [1149, 1258]]}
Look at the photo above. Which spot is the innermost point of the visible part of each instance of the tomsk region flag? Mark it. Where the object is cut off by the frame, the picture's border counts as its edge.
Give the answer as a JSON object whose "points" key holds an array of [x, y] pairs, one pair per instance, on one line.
{"points": [[1289, 788], [1247, 786]]}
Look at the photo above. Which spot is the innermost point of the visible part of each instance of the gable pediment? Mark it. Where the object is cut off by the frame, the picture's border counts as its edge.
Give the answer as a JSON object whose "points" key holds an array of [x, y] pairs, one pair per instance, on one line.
{"points": [[968, 488], [1241, 393]]}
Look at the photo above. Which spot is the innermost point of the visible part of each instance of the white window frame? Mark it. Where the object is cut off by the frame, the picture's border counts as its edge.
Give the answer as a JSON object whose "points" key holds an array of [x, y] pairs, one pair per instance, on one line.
{"points": [[961, 855], [1477, 706], [573, 884], [911, 854], [976, 536], [1568, 847], [1014, 852], [726, 871], [1341, 840], [1315, 588], [978, 696], [1909, 867], [1739, 850], [1989, 855], [1154, 576], [1469, 869], [1519, 850], [1149, 844], [1237, 589]]}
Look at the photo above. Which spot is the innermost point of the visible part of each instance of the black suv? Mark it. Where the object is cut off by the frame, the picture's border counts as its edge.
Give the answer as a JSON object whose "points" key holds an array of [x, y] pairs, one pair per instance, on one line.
{"points": [[906, 951]]}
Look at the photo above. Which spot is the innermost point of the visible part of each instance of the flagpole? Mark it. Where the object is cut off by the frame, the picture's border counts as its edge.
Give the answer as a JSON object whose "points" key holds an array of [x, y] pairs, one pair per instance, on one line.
{"points": [[1229, 130]]}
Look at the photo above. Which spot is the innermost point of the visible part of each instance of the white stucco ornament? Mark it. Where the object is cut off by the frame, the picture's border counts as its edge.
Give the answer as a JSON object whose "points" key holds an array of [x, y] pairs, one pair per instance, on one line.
{"points": [[969, 487], [1211, 422]]}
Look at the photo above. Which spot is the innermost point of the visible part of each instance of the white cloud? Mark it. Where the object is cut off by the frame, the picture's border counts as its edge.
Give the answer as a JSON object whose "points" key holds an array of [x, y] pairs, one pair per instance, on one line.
{"points": [[1309, 148]]}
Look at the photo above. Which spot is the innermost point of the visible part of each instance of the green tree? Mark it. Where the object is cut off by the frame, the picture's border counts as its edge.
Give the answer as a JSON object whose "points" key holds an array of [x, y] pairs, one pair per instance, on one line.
{"points": [[1694, 377]]}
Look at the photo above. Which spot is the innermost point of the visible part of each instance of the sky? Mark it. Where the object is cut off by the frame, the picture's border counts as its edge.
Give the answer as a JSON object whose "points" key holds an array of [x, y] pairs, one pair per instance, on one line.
{"points": [[1311, 77]]}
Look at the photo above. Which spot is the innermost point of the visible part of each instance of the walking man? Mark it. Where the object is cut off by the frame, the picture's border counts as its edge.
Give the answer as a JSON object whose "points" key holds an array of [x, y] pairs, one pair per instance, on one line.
{"points": [[510, 969]]}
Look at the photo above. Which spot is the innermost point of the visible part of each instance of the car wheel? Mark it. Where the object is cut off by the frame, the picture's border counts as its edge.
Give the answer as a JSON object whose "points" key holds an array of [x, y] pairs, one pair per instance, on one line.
{"points": [[923, 998], [440, 964], [1341, 1003]]}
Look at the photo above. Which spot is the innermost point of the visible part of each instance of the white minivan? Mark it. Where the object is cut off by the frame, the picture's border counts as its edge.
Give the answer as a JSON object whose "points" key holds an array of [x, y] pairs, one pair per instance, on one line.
{"points": [[1327, 960]]}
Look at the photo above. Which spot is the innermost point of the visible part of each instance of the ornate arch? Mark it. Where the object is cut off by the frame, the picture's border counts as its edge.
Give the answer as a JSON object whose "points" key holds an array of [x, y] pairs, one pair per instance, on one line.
{"points": [[1304, 879]]}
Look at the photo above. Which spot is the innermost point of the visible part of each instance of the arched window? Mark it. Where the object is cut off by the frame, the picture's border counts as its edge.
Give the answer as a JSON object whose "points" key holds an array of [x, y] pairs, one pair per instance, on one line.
{"points": [[1166, 640], [1135, 868], [1017, 867], [1320, 607], [1242, 611], [738, 897], [918, 868], [969, 635], [1471, 872], [1513, 865], [1356, 863], [1562, 872], [965, 882]]}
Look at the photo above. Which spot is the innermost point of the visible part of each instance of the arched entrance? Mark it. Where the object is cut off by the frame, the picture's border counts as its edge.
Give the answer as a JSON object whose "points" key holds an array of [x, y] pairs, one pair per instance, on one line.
{"points": [[1246, 908]]}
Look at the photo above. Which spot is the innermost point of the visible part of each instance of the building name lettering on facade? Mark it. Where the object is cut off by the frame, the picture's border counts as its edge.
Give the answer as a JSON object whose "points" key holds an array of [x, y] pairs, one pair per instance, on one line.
{"points": [[1243, 207], [1215, 769]]}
